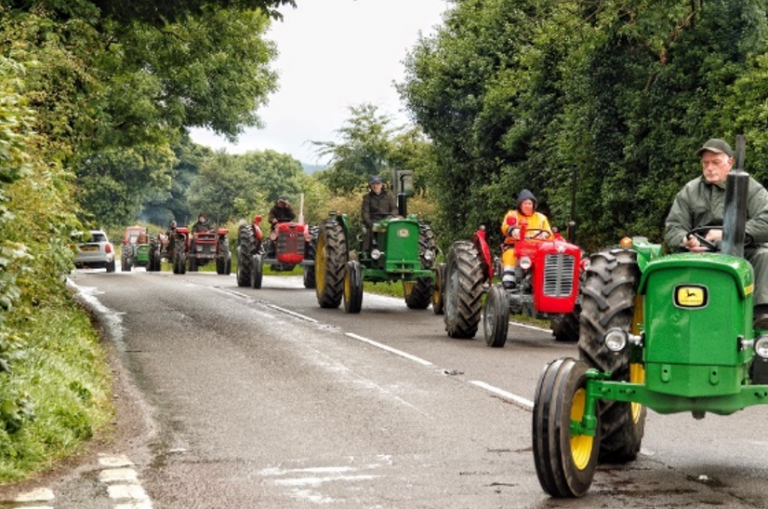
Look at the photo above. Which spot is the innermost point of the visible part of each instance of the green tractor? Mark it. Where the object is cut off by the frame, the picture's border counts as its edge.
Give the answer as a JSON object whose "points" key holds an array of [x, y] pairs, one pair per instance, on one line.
{"points": [[135, 249], [401, 249], [672, 333]]}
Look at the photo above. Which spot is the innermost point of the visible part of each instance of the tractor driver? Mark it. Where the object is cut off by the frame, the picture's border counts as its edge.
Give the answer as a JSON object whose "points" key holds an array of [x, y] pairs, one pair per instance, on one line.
{"points": [[201, 225], [701, 203], [281, 212], [537, 228], [378, 204]]}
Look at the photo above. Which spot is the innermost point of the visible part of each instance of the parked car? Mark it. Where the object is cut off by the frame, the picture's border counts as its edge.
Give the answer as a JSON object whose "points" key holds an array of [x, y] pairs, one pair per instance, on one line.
{"points": [[97, 252]]}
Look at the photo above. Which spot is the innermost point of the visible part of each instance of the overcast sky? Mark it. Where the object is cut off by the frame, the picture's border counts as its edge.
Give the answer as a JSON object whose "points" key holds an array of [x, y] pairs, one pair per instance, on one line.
{"points": [[333, 54]]}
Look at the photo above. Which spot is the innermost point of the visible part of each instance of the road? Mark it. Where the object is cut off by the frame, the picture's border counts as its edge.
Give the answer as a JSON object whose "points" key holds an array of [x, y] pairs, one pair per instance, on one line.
{"points": [[234, 398]]}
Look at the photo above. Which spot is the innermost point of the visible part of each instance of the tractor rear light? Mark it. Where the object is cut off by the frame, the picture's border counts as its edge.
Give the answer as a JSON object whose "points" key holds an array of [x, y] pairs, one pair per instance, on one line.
{"points": [[761, 346], [525, 263], [375, 254], [615, 340]]}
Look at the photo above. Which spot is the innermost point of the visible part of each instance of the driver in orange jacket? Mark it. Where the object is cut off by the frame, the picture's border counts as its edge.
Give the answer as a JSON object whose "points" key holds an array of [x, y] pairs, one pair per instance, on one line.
{"points": [[537, 228]]}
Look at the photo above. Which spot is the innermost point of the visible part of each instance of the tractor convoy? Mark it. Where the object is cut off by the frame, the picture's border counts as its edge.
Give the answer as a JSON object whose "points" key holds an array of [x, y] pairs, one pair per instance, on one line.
{"points": [[668, 332]]}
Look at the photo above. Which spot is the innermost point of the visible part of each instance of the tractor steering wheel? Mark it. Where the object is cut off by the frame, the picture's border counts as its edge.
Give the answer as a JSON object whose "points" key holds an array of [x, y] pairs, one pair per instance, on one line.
{"points": [[537, 233], [700, 234]]}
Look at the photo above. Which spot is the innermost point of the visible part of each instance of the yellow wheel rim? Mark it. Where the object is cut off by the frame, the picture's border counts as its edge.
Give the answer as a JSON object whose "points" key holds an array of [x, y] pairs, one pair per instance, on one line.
{"points": [[581, 445], [636, 376], [347, 286], [320, 265]]}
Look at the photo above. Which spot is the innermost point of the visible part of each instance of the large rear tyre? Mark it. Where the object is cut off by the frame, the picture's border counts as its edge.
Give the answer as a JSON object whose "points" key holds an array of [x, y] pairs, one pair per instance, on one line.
{"points": [[179, 256], [330, 261], [608, 301], [496, 317], [463, 290], [257, 271], [565, 328], [418, 293], [438, 290], [308, 271], [248, 245], [125, 265], [565, 461], [111, 266], [353, 287]]}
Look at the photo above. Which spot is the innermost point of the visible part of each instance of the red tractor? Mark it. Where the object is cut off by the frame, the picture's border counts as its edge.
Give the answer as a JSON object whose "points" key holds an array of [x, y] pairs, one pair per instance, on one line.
{"points": [[547, 273], [294, 244], [193, 250]]}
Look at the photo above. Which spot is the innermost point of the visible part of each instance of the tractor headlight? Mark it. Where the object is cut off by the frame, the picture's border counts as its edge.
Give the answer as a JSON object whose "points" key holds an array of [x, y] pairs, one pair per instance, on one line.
{"points": [[616, 340], [429, 255], [375, 254], [761, 346], [525, 263]]}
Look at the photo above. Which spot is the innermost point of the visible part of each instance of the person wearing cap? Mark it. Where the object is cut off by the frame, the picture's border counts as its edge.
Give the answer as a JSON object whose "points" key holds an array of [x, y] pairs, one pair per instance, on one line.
{"points": [[281, 212], [201, 225], [701, 203], [537, 227], [378, 204]]}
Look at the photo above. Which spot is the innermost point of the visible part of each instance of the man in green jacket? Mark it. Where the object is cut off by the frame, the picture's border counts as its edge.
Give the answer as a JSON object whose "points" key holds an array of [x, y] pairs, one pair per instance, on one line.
{"points": [[701, 203]]}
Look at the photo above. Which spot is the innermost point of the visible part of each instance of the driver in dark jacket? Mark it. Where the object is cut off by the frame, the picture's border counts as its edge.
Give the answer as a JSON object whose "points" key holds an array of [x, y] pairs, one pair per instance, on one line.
{"points": [[378, 204], [701, 203]]}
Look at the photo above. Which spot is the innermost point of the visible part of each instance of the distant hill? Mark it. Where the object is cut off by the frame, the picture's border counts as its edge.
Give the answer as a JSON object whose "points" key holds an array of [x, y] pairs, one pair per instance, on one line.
{"points": [[312, 168]]}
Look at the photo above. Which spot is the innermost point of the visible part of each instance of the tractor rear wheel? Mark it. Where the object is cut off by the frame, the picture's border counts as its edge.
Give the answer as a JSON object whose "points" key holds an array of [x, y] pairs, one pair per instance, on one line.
{"points": [[248, 245], [419, 293], [438, 290], [257, 271], [565, 327], [353, 287], [565, 461], [310, 250], [463, 290], [608, 301], [496, 317], [330, 259], [125, 264], [179, 256], [224, 259]]}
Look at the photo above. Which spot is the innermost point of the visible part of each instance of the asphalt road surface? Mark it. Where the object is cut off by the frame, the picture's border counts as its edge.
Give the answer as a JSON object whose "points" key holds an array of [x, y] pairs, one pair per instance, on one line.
{"points": [[234, 398]]}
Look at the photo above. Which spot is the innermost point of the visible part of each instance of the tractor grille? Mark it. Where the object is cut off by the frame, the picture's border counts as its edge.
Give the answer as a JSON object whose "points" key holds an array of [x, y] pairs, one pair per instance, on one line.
{"points": [[291, 241], [558, 275]]}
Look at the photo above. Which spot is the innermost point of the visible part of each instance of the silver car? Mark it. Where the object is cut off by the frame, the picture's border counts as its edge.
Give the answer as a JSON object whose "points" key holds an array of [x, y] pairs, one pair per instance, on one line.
{"points": [[97, 253]]}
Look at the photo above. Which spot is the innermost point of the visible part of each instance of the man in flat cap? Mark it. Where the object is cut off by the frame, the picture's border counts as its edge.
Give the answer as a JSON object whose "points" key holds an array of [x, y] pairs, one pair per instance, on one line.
{"points": [[378, 204], [701, 203], [281, 212]]}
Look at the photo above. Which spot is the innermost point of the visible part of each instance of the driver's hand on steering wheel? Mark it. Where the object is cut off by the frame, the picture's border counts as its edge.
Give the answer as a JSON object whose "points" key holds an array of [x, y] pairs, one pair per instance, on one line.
{"points": [[691, 243]]}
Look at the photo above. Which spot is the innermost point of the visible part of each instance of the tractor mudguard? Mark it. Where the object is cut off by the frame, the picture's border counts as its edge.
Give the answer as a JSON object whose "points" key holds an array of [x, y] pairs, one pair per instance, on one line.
{"points": [[480, 241]]}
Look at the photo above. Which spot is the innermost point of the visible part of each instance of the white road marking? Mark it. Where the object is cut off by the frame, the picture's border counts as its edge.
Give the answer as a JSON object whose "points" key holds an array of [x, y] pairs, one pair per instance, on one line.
{"points": [[36, 495], [292, 313], [126, 475], [130, 491], [520, 401], [114, 461], [389, 349]]}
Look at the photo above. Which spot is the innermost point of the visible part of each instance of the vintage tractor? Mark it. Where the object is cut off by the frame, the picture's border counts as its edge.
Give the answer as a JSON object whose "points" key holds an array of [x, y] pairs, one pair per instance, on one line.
{"points": [[672, 333], [194, 249], [547, 272], [135, 249], [294, 245], [401, 249]]}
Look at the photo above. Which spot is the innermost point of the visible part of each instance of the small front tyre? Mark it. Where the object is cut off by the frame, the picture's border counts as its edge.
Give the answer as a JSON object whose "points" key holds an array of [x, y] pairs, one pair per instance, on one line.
{"points": [[257, 271], [565, 459], [353, 287], [496, 317]]}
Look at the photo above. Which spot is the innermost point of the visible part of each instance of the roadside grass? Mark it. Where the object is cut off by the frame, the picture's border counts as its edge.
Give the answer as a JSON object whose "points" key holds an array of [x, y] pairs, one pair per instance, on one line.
{"points": [[63, 372]]}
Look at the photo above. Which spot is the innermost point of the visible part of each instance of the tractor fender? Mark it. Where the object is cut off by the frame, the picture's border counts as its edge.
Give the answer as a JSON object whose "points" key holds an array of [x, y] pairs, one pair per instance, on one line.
{"points": [[480, 241]]}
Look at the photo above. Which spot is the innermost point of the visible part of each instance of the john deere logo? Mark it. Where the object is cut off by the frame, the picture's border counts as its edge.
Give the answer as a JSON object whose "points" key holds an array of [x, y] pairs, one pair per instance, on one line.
{"points": [[691, 296], [403, 232]]}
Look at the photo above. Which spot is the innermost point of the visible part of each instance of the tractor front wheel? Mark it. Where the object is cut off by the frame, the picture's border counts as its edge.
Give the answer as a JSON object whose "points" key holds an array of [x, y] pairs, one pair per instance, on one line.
{"points": [[418, 293], [257, 271], [496, 317], [463, 290], [608, 301], [353, 287], [565, 459], [330, 260], [565, 327]]}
